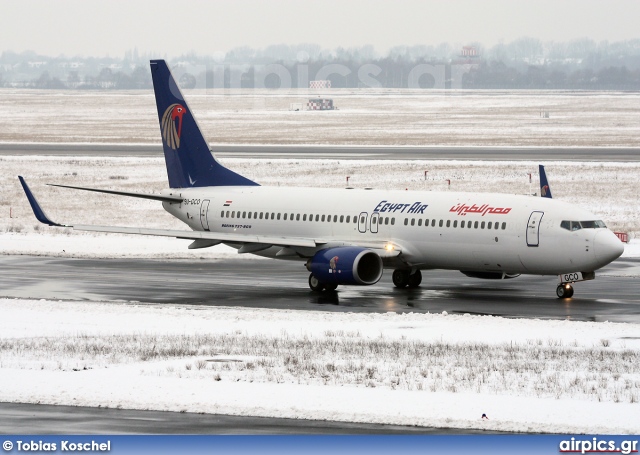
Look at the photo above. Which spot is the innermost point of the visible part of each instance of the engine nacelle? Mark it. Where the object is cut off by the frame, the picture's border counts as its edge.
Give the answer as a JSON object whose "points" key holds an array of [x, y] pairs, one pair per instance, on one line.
{"points": [[346, 265], [490, 275]]}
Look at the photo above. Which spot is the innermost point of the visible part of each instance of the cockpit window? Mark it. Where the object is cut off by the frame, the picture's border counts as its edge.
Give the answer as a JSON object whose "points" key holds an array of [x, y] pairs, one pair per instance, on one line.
{"points": [[576, 225], [593, 224]]}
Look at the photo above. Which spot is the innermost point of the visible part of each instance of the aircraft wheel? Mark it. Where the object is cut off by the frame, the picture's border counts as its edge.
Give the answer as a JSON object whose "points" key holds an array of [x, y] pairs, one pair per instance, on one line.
{"points": [[314, 284], [564, 291], [330, 287], [400, 278], [415, 279]]}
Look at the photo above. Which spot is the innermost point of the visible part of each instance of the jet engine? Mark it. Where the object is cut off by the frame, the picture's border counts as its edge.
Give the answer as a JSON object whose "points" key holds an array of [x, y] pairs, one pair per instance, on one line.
{"points": [[346, 265]]}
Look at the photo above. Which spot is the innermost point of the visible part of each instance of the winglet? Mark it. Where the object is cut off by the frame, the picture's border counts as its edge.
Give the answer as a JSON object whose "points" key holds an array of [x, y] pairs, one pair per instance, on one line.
{"points": [[37, 210], [545, 190]]}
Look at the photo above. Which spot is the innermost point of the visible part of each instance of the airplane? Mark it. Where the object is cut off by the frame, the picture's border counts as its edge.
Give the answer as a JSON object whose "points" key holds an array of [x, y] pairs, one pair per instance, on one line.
{"points": [[349, 236]]}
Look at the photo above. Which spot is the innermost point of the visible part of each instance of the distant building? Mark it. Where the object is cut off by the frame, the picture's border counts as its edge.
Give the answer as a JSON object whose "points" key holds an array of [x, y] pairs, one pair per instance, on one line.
{"points": [[469, 52]]}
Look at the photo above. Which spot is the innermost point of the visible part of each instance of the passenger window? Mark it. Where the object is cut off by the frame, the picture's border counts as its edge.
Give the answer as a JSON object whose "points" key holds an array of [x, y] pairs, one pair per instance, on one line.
{"points": [[448, 223], [455, 223], [304, 217], [342, 218], [348, 220], [419, 221], [328, 218], [406, 221], [374, 220], [362, 219], [462, 223], [497, 225], [279, 215], [285, 217], [222, 214], [441, 223], [413, 221], [393, 221], [335, 218], [244, 214], [504, 226], [489, 225], [273, 215], [227, 214], [233, 214], [426, 222], [475, 225], [318, 218], [386, 220], [469, 225], [482, 225], [249, 215], [255, 215], [433, 223], [323, 217]]}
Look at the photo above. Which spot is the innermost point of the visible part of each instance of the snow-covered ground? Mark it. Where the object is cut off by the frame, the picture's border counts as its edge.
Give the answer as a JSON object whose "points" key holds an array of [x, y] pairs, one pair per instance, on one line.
{"points": [[411, 369], [365, 117]]}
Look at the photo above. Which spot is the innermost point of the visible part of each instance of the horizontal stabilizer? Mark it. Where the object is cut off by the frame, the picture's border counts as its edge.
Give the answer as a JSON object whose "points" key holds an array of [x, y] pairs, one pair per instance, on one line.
{"points": [[155, 197]]}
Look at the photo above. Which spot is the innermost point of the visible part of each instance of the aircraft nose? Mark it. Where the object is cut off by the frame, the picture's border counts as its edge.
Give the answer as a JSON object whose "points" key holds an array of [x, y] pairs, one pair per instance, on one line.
{"points": [[607, 246]]}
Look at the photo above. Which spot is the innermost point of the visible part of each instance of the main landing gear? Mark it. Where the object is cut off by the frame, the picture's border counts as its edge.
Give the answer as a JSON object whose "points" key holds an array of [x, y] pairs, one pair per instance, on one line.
{"points": [[564, 291], [402, 278], [317, 286]]}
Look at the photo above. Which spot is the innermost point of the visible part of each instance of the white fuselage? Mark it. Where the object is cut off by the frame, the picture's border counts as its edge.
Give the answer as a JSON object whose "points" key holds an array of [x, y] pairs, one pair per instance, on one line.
{"points": [[502, 233]]}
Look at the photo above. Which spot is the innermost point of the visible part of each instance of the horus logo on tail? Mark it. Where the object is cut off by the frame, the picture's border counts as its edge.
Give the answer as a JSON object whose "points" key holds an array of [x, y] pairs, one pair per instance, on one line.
{"points": [[171, 132], [544, 190]]}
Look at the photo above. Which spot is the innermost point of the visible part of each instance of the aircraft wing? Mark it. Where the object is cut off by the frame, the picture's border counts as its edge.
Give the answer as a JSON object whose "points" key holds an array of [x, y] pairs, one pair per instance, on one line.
{"points": [[204, 235]]}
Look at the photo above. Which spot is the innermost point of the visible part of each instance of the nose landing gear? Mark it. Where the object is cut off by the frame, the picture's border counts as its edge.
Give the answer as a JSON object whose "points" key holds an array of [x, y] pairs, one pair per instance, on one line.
{"points": [[564, 291]]}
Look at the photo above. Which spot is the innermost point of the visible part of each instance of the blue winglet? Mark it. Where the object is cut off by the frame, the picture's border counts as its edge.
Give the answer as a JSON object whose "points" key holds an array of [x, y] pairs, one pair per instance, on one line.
{"points": [[37, 210], [545, 190]]}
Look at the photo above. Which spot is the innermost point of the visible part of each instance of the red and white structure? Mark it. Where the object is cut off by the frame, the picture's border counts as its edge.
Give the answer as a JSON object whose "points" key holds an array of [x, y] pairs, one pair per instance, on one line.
{"points": [[469, 51], [623, 236], [319, 84]]}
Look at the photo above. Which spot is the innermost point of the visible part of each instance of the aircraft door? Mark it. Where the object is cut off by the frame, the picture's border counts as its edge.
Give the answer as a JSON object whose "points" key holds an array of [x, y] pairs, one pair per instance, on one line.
{"points": [[204, 210], [362, 222], [533, 228], [373, 226]]}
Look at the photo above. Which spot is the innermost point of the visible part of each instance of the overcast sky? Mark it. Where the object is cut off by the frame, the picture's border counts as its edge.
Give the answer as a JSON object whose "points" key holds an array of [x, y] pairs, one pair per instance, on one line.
{"points": [[172, 27]]}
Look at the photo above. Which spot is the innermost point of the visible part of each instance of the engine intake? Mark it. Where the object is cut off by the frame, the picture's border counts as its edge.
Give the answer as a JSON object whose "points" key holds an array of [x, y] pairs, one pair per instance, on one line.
{"points": [[346, 265]]}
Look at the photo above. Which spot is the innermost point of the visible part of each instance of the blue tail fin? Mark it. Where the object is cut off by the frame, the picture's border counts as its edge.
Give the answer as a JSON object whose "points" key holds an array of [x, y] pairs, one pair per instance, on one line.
{"points": [[545, 189], [186, 152]]}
